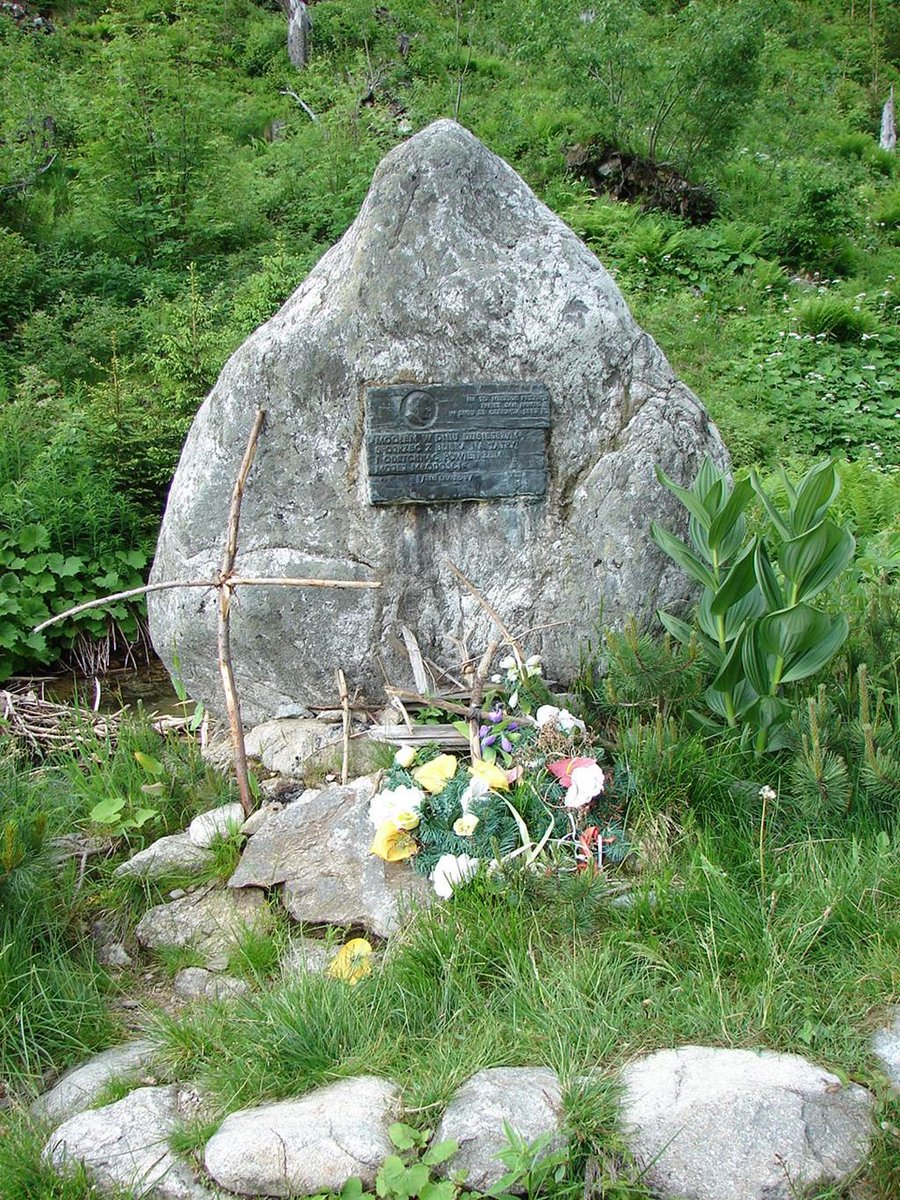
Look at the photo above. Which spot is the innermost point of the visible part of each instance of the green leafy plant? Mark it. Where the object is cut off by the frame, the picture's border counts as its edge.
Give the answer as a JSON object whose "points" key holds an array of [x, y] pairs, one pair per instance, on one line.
{"points": [[755, 622], [119, 815], [408, 1173]]}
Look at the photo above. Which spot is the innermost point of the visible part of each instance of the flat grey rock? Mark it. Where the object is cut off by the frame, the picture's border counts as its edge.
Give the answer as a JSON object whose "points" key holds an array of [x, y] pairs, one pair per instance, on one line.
{"points": [[453, 273], [211, 921], [285, 745], [318, 849], [529, 1099], [126, 1146], [197, 983], [83, 1085], [218, 822], [718, 1124], [168, 856], [307, 1146], [886, 1048]]}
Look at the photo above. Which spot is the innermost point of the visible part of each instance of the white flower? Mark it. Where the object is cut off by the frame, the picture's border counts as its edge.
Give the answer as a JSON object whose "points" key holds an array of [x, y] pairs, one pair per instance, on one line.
{"points": [[508, 663], [496, 679], [451, 870], [766, 793], [545, 714], [405, 756], [587, 782], [466, 825], [567, 722], [396, 805], [477, 787], [514, 699], [533, 665]]}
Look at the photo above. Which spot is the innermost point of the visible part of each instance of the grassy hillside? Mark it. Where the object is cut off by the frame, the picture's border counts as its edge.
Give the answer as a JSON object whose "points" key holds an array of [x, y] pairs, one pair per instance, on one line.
{"points": [[162, 192]]}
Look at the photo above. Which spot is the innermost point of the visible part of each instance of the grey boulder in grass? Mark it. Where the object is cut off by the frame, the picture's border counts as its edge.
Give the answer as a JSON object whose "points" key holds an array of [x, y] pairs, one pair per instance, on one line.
{"points": [[453, 273], [124, 1147], [528, 1099], [83, 1085], [306, 1146], [719, 1124]]}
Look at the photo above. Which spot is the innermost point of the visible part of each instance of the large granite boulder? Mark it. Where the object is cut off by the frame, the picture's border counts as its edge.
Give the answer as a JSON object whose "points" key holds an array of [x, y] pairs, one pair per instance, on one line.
{"points": [[307, 1146], [453, 273], [709, 1123]]}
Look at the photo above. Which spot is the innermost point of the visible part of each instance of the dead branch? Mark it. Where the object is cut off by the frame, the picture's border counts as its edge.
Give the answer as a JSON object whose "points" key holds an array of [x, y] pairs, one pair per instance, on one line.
{"points": [[345, 711], [489, 609], [299, 99]]}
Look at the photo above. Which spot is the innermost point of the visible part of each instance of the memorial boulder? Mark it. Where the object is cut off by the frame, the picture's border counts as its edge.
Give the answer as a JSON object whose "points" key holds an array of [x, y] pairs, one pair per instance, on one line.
{"points": [[458, 382]]}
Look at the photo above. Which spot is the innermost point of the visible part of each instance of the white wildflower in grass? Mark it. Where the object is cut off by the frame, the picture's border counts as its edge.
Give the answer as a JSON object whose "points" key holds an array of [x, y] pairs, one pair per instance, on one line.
{"points": [[767, 794]]}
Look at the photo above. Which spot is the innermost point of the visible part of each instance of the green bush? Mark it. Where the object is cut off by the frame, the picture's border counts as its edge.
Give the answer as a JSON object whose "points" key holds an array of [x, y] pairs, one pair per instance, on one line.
{"points": [[817, 217], [835, 317]]}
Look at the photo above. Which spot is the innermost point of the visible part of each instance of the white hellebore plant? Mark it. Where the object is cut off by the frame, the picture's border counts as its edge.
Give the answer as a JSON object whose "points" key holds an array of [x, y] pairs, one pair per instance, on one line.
{"points": [[587, 782], [450, 870], [399, 805]]}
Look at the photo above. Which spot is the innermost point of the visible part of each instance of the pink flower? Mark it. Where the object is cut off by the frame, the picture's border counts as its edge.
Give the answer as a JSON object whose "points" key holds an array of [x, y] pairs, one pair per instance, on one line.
{"points": [[565, 766]]}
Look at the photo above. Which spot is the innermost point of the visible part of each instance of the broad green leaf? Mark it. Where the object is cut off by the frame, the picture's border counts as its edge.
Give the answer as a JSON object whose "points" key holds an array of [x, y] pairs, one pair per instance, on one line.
{"points": [[687, 560], [766, 579], [691, 502], [680, 630], [107, 811], [444, 1189], [33, 537], [416, 1178], [699, 539], [774, 515], [403, 1136], [150, 764], [142, 816], [738, 582], [440, 1152], [727, 519], [732, 670], [393, 1172], [820, 654], [705, 478], [791, 631], [758, 664], [814, 495], [352, 1189], [815, 558]]}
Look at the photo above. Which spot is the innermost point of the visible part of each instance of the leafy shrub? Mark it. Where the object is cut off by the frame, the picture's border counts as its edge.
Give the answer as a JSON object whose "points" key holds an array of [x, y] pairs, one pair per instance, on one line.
{"points": [[817, 216], [835, 317]]}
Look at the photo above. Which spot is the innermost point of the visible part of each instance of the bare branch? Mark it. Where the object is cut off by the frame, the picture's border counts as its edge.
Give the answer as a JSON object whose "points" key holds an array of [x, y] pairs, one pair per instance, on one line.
{"points": [[299, 99]]}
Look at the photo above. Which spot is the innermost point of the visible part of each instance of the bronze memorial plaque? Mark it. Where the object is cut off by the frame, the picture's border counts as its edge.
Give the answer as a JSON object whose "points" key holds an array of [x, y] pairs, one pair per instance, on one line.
{"points": [[456, 441]]}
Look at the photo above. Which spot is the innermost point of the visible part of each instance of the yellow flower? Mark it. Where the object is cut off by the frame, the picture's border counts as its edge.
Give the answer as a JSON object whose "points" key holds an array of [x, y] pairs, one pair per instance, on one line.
{"points": [[466, 825], [352, 962], [405, 756], [492, 775], [393, 844], [408, 819], [435, 774]]}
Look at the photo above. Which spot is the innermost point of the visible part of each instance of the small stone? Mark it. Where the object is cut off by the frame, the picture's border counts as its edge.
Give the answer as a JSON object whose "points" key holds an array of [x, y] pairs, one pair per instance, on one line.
{"points": [[195, 983], [217, 962], [124, 1146], [257, 819], [212, 922], [173, 855], [177, 893], [113, 954], [79, 1088], [218, 822], [305, 956], [528, 1099], [291, 710], [707, 1123], [308, 1146], [886, 1048]]}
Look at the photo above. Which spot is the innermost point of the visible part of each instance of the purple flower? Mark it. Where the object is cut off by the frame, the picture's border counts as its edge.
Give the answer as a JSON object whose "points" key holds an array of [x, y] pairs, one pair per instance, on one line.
{"points": [[488, 741], [506, 744], [495, 715]]}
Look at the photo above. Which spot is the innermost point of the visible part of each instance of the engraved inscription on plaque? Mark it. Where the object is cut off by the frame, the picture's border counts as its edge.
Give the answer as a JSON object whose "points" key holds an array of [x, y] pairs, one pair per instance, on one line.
{"points": [[459, 441]]}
